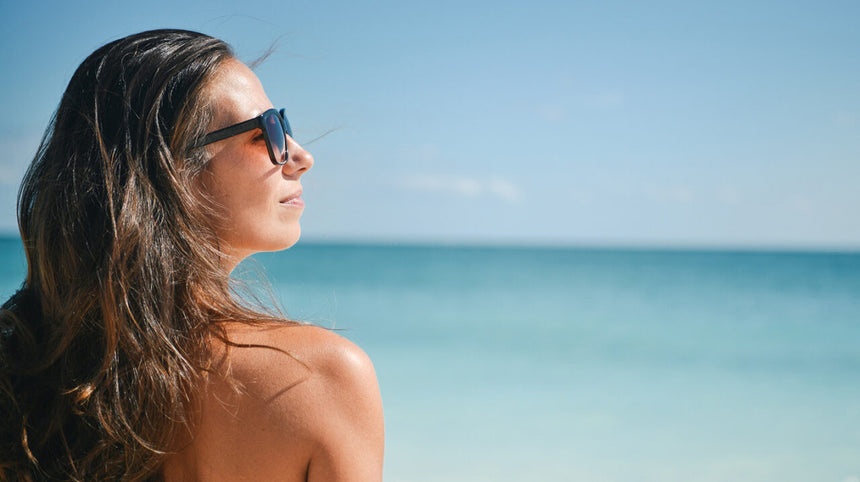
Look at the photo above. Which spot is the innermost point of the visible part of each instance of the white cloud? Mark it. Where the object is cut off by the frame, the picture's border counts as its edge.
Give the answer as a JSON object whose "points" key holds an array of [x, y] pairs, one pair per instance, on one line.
{"points": [[729, 195], [551, 112], [495, 187], [802, 205], [428, 152], [505, 190], [605, 100], [669, 194], [845, 119]]}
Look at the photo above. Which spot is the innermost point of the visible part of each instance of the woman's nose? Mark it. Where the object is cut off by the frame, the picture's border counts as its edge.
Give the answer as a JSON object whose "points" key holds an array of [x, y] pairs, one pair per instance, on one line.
{"points": [[299, 159]]}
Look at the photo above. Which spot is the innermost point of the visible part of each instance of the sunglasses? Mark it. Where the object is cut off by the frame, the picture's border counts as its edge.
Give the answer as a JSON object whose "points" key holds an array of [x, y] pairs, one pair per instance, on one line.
{"points": [[274, 125]]}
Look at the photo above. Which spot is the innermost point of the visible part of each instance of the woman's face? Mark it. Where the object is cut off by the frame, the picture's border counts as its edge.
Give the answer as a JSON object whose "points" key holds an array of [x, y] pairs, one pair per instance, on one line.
{"points": [[260, 202]]}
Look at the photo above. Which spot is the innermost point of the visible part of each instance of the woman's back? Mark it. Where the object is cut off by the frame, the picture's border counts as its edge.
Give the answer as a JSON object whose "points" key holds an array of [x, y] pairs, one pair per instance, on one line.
{"points": [[290, 403]]}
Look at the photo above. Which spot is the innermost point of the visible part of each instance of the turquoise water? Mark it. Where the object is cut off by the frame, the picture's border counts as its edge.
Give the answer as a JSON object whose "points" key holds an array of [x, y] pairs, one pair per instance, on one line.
{"points": [[501, 364]]}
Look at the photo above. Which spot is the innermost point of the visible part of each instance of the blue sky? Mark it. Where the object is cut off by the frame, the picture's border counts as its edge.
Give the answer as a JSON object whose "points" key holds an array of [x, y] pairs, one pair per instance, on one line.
{"points": [[732, 123]]}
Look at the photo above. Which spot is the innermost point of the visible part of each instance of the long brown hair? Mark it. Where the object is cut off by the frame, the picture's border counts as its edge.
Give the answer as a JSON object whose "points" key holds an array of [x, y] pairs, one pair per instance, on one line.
{"points": [[102, 349]]}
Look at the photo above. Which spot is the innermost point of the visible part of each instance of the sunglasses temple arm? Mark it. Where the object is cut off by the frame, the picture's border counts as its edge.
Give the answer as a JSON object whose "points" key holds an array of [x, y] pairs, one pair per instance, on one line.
{"points": [[231, 131]]}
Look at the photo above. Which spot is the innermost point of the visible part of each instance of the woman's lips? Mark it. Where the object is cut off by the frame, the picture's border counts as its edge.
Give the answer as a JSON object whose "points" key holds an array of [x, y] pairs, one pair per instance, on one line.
{"points": [[294, 199]]}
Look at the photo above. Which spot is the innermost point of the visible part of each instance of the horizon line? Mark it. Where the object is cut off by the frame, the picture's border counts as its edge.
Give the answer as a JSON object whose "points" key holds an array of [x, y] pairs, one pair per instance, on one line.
{"points": [[581, 244]]}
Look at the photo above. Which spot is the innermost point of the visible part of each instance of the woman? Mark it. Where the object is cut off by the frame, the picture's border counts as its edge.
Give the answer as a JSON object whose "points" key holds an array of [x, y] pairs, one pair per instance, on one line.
{"points": [[126, 355]]}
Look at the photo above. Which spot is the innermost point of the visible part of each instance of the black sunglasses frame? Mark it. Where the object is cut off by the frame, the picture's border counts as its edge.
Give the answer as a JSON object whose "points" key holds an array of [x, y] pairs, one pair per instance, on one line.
{"points": [[258, 122]]}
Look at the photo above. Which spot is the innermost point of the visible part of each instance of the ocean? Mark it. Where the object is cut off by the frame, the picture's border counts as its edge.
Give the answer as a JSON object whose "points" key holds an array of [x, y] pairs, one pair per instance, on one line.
{"points": [[514, 364]]}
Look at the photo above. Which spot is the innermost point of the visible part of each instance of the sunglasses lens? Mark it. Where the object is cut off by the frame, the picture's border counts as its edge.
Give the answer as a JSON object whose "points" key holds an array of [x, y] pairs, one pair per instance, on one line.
{"points": [[287, 127], [278, 141]]}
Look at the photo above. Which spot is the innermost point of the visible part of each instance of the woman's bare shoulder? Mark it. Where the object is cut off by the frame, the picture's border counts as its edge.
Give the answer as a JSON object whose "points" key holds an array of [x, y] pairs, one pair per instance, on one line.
{"points": [[278, 347], [287, 402], [267, 361]]}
